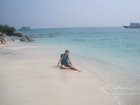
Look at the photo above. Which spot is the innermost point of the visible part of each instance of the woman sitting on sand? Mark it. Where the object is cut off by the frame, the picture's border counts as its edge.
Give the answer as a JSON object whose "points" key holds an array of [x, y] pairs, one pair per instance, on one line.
{"points": [[65, 61]]}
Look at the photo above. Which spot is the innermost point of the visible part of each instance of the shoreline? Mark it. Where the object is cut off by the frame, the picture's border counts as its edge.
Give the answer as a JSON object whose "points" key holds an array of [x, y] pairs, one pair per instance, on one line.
{"points": [[31, 78]]}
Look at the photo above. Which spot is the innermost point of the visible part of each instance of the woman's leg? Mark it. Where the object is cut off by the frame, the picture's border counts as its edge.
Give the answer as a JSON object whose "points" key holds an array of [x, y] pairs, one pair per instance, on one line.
{"points": [[73, 67], [64, 67]]}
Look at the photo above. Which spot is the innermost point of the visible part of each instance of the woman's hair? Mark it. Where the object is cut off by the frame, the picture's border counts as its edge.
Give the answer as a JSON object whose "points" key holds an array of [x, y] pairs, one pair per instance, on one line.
{"points": [[66, 50]]}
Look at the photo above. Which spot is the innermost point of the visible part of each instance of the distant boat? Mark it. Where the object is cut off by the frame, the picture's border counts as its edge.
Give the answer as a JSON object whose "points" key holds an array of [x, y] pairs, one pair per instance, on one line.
{"points": [[133, 25], [25, 28]]}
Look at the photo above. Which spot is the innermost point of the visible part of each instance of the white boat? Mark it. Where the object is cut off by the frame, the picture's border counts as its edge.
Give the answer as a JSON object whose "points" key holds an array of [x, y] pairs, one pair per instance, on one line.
{"points": [[133, 25], [25, 28]]}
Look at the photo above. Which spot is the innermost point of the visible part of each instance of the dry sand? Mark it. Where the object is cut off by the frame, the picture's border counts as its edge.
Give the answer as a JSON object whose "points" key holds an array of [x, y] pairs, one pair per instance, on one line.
{"points": [[29, 77]]}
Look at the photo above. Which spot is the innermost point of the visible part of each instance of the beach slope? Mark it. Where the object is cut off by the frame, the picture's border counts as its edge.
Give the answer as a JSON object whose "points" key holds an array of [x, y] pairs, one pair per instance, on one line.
{"points": [[29, 77]]}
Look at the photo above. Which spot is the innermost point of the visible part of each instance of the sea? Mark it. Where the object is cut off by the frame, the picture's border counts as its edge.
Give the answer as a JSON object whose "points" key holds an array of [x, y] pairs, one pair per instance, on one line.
{"points": [[112, 53]]}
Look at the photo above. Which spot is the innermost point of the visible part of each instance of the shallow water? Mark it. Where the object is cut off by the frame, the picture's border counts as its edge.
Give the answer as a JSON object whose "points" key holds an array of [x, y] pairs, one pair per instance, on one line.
{"points": [[111, 53]]}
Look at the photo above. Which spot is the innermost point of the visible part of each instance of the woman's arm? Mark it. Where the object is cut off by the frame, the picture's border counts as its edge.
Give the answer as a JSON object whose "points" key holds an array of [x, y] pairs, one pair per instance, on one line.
{"points": [[59, 61], [69, 60]]}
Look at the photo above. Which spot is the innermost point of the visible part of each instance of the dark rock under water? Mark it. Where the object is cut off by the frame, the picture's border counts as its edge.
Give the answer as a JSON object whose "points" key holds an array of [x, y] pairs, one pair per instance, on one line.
{"points": [[6, 53]]}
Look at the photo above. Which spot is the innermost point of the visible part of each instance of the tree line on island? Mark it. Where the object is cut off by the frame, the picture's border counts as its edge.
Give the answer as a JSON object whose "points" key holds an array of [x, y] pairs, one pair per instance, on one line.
{"points": [[8, 34]]}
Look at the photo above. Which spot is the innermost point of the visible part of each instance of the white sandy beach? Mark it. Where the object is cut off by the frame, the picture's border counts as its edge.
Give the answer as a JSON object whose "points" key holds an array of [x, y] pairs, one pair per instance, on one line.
{"points": [[29, 77]]}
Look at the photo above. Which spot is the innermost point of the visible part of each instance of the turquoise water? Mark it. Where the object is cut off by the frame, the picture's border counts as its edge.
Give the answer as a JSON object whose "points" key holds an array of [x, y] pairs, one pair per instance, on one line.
{"points": [[113, 53]]}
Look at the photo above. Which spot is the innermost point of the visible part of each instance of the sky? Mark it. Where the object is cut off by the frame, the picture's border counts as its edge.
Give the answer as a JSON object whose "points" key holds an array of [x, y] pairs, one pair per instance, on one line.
{"points": [[69, 13]]}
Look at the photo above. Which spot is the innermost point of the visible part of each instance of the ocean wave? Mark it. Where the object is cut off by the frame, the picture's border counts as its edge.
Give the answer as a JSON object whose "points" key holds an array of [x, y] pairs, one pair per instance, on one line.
{"points": [[18, 48], [120, 91], [122, 94]]}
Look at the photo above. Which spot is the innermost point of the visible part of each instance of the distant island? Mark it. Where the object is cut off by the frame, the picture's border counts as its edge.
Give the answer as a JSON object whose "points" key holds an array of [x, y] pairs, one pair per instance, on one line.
{"points": [[133, 25], [9, 34]]}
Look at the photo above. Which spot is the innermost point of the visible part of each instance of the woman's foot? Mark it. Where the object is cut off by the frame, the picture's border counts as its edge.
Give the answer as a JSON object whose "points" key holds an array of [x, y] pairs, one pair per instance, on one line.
{"points": [[78, 70]]}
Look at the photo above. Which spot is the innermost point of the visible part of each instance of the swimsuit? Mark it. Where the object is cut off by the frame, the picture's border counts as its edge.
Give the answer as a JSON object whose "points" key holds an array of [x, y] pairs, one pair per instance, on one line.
{"points": [[64, 60]]}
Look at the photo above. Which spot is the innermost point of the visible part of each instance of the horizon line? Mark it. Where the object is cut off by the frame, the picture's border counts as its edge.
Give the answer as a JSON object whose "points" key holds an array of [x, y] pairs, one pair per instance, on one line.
{"points": [[75, 27]]}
